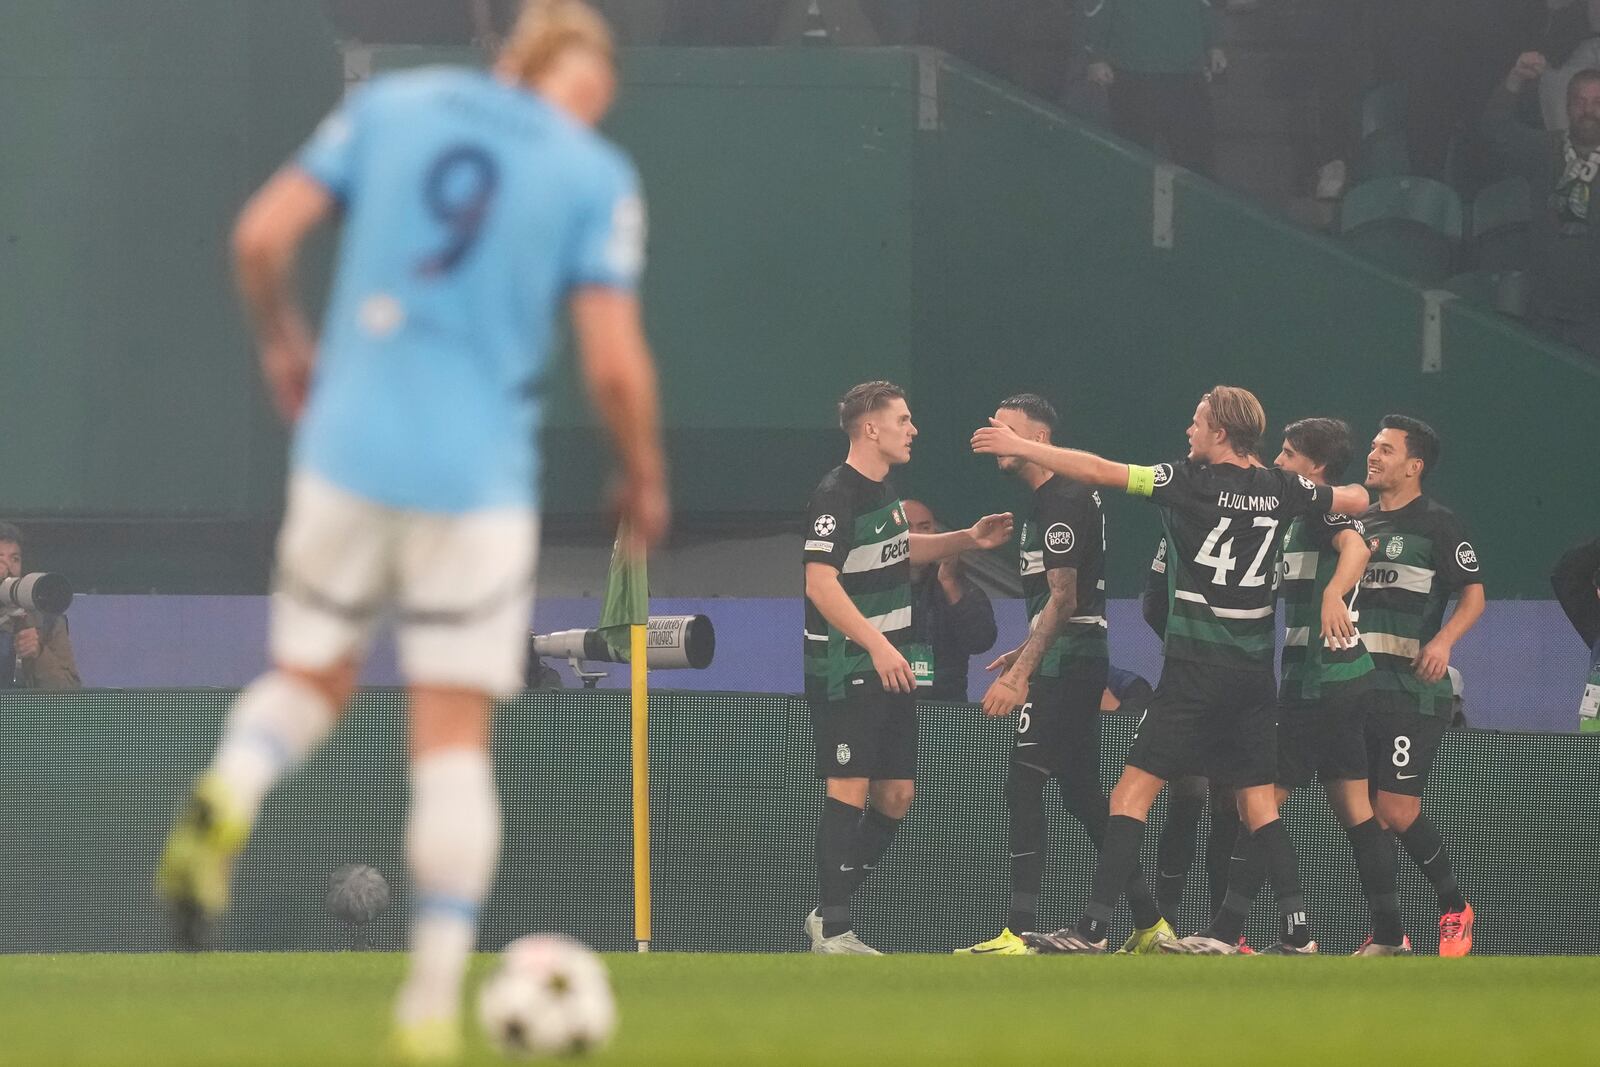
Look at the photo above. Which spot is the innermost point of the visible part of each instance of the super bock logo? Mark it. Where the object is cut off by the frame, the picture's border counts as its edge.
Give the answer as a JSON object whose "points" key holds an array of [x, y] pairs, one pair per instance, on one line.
{"points": [[1467, 557], [1059, 538], [842, 754], [1395, 546], [825, 525], [1163, 474]]}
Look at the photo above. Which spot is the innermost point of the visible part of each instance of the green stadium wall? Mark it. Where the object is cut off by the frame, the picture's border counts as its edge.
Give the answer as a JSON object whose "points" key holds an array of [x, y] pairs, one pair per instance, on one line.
{"points": [[819, 216], [89, 782]]}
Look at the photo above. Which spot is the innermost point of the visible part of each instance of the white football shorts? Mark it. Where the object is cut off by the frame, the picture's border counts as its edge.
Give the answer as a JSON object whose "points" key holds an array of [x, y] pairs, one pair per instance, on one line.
{"points": [[458, 588]]}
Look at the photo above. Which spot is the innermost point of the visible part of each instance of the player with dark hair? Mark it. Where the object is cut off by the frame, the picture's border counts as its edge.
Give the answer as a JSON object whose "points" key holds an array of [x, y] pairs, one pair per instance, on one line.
{"points": [[858, 554], [1213, 712], [1056, 678], [1327, 676], [1420, 558]]}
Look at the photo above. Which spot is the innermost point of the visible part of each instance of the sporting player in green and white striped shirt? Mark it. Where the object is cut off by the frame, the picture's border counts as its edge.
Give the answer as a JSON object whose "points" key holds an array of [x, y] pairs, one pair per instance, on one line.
{"points": [[1421, 557], [858, 554]]}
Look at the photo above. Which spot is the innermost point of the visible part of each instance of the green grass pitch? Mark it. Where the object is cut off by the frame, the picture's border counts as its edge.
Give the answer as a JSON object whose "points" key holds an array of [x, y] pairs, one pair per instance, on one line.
{"points": [[792, 1009]]}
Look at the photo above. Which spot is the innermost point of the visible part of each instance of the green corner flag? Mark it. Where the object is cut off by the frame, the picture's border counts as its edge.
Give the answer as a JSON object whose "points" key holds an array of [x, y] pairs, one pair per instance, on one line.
{"points": [[627, 600]]}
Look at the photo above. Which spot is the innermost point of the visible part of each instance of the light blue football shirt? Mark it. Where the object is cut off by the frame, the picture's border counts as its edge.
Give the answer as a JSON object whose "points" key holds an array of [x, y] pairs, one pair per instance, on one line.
{"points": [[472, 208]]}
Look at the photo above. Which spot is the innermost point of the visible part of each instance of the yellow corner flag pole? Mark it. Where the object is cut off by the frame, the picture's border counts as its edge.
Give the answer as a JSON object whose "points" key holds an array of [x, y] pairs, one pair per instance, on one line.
{"points": [[641, 787], [627, 608]]}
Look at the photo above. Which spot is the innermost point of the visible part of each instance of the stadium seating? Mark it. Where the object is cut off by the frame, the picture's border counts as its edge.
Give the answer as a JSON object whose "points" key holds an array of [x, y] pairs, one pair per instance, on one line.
{"points": [[1504, 291], [1501, 216], [1411, 226], [1383, 108], [1383, 154]]}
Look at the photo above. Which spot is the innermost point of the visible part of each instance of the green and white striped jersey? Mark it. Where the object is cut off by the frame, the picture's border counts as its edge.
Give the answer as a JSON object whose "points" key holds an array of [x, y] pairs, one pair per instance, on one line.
{"points": [[1067, 529], [1224, 524], [1311, 670], [858, 527], [1420, 558]]}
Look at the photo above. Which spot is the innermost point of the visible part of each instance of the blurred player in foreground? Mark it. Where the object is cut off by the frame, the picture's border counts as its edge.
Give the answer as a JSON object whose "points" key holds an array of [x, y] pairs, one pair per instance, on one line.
{"points": [[474, 204], [1213, 713]]}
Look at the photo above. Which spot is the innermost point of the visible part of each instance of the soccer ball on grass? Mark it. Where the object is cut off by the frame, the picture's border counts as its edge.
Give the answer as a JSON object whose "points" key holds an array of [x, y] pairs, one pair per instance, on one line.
{"points": [[549, 997]]}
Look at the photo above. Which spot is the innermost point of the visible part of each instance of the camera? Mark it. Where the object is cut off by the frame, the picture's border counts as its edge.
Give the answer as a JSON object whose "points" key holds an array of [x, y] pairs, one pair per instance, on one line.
{"points": [[48, 594]]}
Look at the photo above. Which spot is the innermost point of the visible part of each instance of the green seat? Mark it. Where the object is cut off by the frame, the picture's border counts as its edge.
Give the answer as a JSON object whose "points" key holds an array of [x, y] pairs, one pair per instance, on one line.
{"points": [[1383, 108], [1502, 216], [1504, 291], [1411, 226], [1383, 154]]}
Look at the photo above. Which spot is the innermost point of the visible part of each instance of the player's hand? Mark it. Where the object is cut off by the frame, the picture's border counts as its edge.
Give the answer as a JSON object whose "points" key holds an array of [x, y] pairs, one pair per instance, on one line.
{"points": [[997, 439], [1004, 661], [1005, 695], [1338, 629], [1530, 67], [286, 365], [893, 670], [1100, 73], [642, 504], [27, 643], [1216, 63], [1432, 662], [949, 575], [992, 531]]}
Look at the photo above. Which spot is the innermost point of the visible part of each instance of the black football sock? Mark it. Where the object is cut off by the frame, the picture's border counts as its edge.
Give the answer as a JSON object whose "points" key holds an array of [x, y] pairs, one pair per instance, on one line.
{"points": [[836, 831], [1119, 859], [874, 833], [1375, 865], [1424, 845], [1247, 870], [1175, 850], [1278, 852], [1225, 829], [1028, 839], [1082, 798]]}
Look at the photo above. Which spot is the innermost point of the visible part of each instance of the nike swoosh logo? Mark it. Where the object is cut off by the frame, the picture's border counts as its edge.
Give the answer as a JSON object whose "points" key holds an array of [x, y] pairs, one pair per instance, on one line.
{"points": [[879, 529], [985, 951], [1026, 744], [1019, 855], [845, 870], [1404, 777]]}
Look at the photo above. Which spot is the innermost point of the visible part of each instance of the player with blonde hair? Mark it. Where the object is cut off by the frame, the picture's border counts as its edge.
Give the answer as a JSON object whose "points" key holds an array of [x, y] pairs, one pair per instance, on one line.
{"points": [[475, 204]]}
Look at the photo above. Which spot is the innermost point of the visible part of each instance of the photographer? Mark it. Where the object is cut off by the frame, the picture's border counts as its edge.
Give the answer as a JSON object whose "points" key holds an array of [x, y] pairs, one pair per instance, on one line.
{"points": [[35, 649]]}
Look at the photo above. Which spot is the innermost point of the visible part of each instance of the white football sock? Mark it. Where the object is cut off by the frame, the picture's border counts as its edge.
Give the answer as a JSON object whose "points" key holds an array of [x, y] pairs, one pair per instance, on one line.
{"points": [[452, 848], [274, 724]]}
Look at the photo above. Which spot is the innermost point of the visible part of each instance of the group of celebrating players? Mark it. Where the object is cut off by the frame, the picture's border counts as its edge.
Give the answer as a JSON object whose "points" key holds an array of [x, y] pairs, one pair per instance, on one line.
{"points": [[1361, 708]]}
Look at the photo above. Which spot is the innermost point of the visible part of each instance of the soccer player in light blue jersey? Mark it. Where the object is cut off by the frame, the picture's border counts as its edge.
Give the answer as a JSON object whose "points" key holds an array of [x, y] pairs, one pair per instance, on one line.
{"points": [[474, 204]]}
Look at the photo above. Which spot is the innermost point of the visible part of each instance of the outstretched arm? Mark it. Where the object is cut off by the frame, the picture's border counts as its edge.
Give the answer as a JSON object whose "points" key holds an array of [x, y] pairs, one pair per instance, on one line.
{"points": [[991, 531], [998, 439]]}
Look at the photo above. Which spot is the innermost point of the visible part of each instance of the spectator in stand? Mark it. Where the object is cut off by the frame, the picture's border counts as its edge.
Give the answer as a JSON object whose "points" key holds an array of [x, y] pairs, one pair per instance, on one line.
{"points": [[951, 617], [1571, 44], [1561, 169], [1577, 584], [1156, 59]]}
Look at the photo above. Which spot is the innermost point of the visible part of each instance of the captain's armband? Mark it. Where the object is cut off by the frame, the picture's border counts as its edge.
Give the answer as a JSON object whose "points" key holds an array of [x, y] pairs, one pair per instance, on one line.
{"points": [[1141, 480]]}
